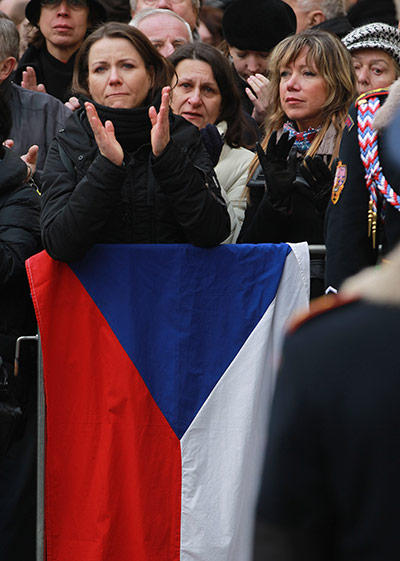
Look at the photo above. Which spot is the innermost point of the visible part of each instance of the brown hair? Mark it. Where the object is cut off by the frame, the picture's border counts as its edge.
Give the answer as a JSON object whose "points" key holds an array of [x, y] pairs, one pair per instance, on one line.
{"points": [[159, 68], [231, 110], [333, 62]]}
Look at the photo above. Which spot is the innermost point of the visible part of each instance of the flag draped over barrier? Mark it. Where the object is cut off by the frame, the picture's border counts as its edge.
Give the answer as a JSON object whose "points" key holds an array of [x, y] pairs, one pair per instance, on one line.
{"points": [[159, 365]]}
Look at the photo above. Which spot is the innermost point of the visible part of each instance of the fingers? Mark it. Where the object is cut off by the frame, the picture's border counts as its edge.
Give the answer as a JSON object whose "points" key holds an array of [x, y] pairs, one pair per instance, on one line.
{"points": [[93, 118], [29, 80], [318, 168], [153, 115], [271, 147], [32, 154], [250, 95], [73, 103], [284, 146], [9, 143], [259, 84]]}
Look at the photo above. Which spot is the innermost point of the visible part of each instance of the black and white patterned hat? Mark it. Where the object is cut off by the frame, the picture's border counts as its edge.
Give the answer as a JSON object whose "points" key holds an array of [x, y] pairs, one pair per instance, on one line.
{"points": [[375, 36]]}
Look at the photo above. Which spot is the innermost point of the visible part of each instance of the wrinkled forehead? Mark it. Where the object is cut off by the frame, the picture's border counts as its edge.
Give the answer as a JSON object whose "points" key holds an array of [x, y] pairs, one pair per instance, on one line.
{"points": [[163, 25]]}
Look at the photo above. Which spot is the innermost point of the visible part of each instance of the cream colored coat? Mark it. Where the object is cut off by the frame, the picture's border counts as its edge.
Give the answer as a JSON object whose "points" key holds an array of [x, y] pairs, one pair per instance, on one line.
{"points": [[232, 170]]}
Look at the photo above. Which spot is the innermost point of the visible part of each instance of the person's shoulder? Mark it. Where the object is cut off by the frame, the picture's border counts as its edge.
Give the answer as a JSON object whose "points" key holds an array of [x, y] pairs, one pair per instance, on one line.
{"points": [[320, 309], [380, 93], [38, 101]]}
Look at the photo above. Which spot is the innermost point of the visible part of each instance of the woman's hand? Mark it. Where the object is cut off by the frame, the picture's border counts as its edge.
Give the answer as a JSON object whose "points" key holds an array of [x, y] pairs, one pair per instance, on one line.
{"points": [[29, 80], [319, 179], [73, 103], [259, 96], [30, 159], [279, 166], [104, 135], [160, 134]]}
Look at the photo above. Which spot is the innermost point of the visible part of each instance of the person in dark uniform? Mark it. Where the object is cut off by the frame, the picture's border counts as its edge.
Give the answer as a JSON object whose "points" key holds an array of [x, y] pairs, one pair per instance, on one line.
{"points": [[330, 487], [364, 214]]}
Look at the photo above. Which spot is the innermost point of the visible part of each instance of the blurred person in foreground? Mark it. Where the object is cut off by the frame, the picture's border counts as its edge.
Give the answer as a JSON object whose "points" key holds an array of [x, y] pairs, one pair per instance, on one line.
{"points": [[331, 488]]}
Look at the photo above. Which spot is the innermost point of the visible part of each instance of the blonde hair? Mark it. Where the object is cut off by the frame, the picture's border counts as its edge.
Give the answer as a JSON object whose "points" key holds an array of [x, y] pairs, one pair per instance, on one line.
{"points": [[333, 62]]}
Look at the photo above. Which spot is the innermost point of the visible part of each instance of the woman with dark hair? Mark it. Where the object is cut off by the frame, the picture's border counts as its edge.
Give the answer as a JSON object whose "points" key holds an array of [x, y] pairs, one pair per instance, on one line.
{"points": [[58, 30], [205, 94], [124, 170], [312, 84]]}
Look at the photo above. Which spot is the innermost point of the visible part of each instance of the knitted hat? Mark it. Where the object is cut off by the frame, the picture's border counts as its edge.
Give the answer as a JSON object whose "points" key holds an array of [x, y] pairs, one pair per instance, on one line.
{"points": [[96, 11], [375, 36], [258, 25], [368, 11]]}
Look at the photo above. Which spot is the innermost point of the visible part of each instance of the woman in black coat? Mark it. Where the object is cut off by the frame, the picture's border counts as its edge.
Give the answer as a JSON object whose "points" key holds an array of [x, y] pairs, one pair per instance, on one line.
{"points": [[312, 86], [124, 170]]}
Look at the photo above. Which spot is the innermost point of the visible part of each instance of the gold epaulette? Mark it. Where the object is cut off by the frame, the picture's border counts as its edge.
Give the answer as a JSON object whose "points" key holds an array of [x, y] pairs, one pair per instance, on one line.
{"points": [[320, 306], [372, 93]]}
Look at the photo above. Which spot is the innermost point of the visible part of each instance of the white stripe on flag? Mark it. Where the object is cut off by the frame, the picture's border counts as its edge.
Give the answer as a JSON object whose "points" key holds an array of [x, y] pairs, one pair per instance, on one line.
{"points": [[222, 450]]}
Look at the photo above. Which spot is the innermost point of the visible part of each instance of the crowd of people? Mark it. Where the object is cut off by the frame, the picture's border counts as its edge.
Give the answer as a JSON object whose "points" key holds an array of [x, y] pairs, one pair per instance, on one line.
{"points": [[181, 121]]}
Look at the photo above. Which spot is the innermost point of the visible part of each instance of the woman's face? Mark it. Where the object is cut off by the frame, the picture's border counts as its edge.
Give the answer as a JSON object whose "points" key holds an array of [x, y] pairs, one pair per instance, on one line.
{"points": [[63, 26], [249, 63], [117, 74], [196, 97], [302, 92], [374, 69]]}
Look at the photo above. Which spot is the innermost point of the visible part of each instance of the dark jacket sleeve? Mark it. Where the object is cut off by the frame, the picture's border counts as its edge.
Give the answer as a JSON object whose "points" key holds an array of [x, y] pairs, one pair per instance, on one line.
{"points": [[266, 223], [74, 212], [19, 218], [348, 247], [188, 180], [19, 232]]}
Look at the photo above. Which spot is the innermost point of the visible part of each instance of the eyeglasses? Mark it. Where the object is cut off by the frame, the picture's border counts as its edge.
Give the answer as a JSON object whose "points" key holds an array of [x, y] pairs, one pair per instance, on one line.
{"points": [[74, 4]]}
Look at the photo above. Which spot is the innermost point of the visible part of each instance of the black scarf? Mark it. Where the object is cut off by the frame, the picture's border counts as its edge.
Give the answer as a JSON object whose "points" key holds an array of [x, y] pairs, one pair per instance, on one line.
{"points": [[132, 126]]}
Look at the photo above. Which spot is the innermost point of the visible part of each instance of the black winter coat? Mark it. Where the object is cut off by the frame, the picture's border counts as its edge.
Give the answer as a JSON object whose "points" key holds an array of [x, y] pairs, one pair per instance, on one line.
{"points": [[19, 240], [86, 199], [263, 223], [53, 73]]}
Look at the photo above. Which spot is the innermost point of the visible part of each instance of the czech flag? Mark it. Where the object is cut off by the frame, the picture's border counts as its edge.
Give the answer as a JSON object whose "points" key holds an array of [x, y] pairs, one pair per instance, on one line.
{"points": [[159, 364]]}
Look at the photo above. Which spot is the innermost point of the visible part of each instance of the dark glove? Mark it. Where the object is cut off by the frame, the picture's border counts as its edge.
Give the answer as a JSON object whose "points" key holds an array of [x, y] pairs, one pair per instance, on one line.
{"points": [[319, 180], [279, 166], [213, 142]]}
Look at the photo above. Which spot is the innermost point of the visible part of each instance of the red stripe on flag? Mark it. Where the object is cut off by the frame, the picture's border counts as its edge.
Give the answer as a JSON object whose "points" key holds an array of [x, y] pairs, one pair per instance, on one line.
{"points": [[113, 464]]}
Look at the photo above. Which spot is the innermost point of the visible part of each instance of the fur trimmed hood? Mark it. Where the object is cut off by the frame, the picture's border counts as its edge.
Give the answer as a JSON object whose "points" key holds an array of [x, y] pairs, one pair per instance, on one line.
{"points": [[385, 114], [380, 285]]}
